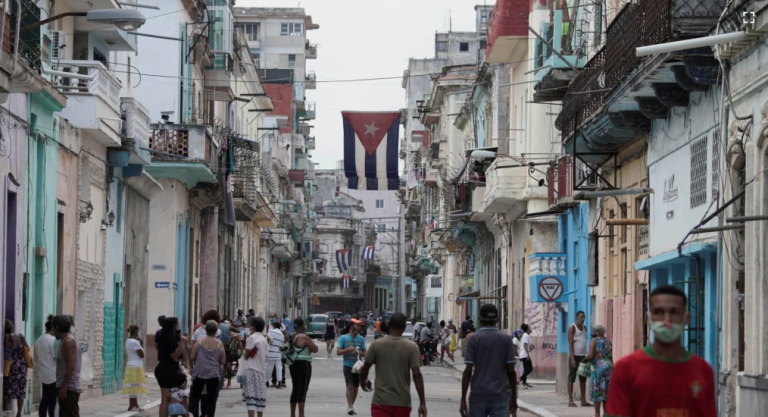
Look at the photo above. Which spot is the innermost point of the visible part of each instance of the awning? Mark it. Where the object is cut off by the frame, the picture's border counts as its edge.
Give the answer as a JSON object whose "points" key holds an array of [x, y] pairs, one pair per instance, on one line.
{"points": [[470, 296], [672, 257], [540, 214]]}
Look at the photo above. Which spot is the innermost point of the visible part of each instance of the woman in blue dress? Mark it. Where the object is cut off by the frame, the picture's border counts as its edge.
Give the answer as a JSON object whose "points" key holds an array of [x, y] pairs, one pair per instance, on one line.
{"points": [[601, 354]]}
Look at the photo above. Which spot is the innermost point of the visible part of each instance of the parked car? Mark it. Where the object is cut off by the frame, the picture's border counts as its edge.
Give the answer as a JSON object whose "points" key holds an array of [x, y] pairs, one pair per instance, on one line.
{"points": [[334, 314], [408, 333], [316, 325]]}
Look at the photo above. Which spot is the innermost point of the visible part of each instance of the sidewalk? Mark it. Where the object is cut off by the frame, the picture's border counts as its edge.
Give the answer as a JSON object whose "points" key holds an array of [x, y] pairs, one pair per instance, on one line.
{"points": [[115, 405], [541, 400]]}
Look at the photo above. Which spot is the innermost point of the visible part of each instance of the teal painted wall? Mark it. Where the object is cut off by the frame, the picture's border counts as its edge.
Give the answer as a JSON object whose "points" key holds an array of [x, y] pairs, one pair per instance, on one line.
{"points": [[39, 297]]}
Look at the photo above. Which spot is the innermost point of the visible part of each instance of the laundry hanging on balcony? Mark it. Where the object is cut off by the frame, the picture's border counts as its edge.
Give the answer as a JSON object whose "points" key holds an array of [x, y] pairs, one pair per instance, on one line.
{"points": [[368, 252], [343, 259], [370, 150]]}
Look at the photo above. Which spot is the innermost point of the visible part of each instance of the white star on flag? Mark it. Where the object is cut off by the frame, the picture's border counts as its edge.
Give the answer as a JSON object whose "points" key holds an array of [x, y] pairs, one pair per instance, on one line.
{"points": [[371, 129]]}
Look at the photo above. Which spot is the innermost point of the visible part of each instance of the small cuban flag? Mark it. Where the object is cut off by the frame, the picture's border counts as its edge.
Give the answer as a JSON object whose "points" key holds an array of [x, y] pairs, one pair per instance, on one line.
{"points": [[345, 281], [370, 150], [343, 259], [368, 252]]}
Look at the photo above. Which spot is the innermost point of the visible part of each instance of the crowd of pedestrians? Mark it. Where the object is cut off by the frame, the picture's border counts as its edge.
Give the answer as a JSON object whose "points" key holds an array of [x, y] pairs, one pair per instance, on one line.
{"points": [[495, 364]]}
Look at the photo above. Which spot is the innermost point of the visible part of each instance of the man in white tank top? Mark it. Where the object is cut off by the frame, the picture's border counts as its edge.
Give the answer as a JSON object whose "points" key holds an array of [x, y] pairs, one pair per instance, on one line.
{"points": [[577, 347]]}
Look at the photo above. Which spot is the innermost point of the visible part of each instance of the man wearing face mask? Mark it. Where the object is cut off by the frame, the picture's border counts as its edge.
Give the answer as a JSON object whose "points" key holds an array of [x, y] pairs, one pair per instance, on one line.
{"points": [[577, 346], [663, 378]]}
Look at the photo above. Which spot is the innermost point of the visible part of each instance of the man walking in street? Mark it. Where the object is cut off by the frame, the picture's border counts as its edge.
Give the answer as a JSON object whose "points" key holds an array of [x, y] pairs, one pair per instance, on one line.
{"points": [[238, 324], [577, 346], [663, 379], [465, 325], [524, 353], [352, 346], [395, 358], [490, 367], [416, 330], [67, 368]]}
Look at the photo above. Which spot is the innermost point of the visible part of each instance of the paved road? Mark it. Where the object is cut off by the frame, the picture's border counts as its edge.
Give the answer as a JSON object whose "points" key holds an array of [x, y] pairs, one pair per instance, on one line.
{"points": [[326, 395]]}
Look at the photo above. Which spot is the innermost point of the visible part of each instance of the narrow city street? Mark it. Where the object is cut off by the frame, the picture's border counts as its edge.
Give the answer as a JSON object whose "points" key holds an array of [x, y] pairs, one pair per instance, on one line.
{"points": [[326, 393]]}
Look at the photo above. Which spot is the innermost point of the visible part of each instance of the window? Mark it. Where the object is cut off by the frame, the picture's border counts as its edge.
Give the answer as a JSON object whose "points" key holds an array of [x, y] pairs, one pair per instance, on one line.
{"points": [[485, 15], [464, 47], [698, 172], [379, 204], [291, 61], [251, 31], [291, 29], [598, 23], [436, 281]]}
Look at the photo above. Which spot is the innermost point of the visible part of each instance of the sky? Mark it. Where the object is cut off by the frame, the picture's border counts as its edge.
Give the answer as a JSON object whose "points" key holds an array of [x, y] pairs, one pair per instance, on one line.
{"points": [[367, 39]]}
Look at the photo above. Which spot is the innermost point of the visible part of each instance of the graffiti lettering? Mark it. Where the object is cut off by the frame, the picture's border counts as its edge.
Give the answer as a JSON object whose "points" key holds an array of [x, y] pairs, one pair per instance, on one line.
{"points": [[548, 345]]}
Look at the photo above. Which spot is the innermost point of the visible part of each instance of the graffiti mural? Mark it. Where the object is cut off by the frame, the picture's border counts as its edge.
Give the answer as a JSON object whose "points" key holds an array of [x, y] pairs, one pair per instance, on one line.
{"points": [[542, 319]]}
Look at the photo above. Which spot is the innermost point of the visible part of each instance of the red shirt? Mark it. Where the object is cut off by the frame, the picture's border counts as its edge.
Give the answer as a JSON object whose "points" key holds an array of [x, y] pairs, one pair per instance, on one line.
{"points": [[643, 385]]}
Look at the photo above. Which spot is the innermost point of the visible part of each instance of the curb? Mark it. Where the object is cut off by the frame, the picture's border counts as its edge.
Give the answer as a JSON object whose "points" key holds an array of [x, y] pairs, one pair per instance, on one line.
{"points": [[522, 405]]}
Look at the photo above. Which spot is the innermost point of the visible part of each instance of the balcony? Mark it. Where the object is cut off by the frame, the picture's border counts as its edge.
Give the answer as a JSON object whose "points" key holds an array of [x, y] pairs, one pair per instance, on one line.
{"points": [[219, 77], [310, 142], [505, 185], [479, 213], [285, 247], [249, 204], [136, 127], [298, 143], [296, 175], [639, 89], [183, 152], [555, 73], [305, 109], [310, 51], [280, 160], [195, 8], [310, 81], [508, 31], [93, 95]]}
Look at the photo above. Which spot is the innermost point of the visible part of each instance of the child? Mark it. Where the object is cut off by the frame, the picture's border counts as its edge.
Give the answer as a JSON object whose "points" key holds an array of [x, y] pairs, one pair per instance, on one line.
{"points": [[179, 397]]}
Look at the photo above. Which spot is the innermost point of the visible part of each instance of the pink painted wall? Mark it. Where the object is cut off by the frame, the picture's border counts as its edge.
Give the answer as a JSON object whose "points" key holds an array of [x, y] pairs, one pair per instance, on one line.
{"points": [[542, 318], [623, 324]]}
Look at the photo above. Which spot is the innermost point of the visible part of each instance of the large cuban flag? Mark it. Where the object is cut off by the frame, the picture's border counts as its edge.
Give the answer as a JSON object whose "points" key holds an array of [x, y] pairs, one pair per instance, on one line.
{"points": [[343, 259], [370, 150]]}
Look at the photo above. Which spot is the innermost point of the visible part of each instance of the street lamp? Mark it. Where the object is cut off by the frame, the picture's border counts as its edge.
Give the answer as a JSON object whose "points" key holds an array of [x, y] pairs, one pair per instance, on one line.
{"points": [[125, 19], [84, 217]]}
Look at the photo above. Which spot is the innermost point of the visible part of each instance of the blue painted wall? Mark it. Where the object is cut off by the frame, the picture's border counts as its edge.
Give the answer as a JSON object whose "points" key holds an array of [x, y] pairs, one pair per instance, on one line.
{"points": [[41, 215], [678, 270], [573, 240], [182, 271]]}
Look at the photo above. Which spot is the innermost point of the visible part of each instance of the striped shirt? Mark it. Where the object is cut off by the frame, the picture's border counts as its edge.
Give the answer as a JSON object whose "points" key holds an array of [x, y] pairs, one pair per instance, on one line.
{"points": [[277, 341]]}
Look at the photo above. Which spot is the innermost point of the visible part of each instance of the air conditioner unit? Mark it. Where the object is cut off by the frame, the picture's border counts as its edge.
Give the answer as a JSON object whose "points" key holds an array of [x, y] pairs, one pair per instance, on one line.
{"points": [[58, 40]]}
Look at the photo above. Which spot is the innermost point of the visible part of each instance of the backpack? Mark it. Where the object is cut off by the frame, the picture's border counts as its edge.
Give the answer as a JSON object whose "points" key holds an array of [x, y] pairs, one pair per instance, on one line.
{"points": [[293, 354], [233, 350]]}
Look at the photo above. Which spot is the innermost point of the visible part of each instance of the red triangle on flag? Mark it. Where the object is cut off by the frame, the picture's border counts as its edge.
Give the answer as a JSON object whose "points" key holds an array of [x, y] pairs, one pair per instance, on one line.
{"points": [[370, 127]]}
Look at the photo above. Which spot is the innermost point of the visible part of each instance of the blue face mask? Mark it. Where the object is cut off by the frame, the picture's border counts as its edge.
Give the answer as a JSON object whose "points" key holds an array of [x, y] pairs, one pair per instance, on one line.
{"points": [[271, 320]]}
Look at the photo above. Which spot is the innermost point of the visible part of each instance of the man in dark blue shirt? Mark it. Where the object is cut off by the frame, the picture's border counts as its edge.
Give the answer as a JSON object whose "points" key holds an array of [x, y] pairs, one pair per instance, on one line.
{"points": [[491, 357]]}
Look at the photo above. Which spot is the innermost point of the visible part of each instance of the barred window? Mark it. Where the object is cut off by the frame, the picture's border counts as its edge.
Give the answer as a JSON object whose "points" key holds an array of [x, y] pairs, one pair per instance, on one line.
{"points": [[698, 172]]}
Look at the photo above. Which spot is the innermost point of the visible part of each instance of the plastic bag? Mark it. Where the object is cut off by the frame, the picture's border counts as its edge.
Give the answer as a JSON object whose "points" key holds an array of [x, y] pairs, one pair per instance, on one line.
{"points": [[358, 366], [242, 366], [519, 368], [86, 369]]}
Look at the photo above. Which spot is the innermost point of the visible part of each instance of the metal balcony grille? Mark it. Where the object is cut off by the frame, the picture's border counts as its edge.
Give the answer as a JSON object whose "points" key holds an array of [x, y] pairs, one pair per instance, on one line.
{"points": [[174, 142], [698, 172]]}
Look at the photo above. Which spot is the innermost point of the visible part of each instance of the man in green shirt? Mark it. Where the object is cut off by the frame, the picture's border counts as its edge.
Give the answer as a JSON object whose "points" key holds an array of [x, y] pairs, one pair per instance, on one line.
{"points": [[396, 359]]}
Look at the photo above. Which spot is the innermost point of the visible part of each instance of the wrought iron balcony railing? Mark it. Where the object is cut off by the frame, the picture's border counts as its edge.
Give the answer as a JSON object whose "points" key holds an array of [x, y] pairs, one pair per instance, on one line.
{"points": [[585, 95]]}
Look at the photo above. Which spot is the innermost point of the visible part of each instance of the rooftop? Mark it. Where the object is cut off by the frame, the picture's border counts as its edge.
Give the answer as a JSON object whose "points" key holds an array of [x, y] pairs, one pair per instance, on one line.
{"points": [[276, 13]]}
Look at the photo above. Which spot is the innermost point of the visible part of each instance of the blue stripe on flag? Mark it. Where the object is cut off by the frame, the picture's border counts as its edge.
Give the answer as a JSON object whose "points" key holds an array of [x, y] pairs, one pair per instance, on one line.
{"points": [[393, 180], [371, 182], [349, 155]]}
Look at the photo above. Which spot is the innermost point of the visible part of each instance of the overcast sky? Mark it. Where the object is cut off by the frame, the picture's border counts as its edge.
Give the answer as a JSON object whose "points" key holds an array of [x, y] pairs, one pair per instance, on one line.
{"points": [[367, 39]]}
